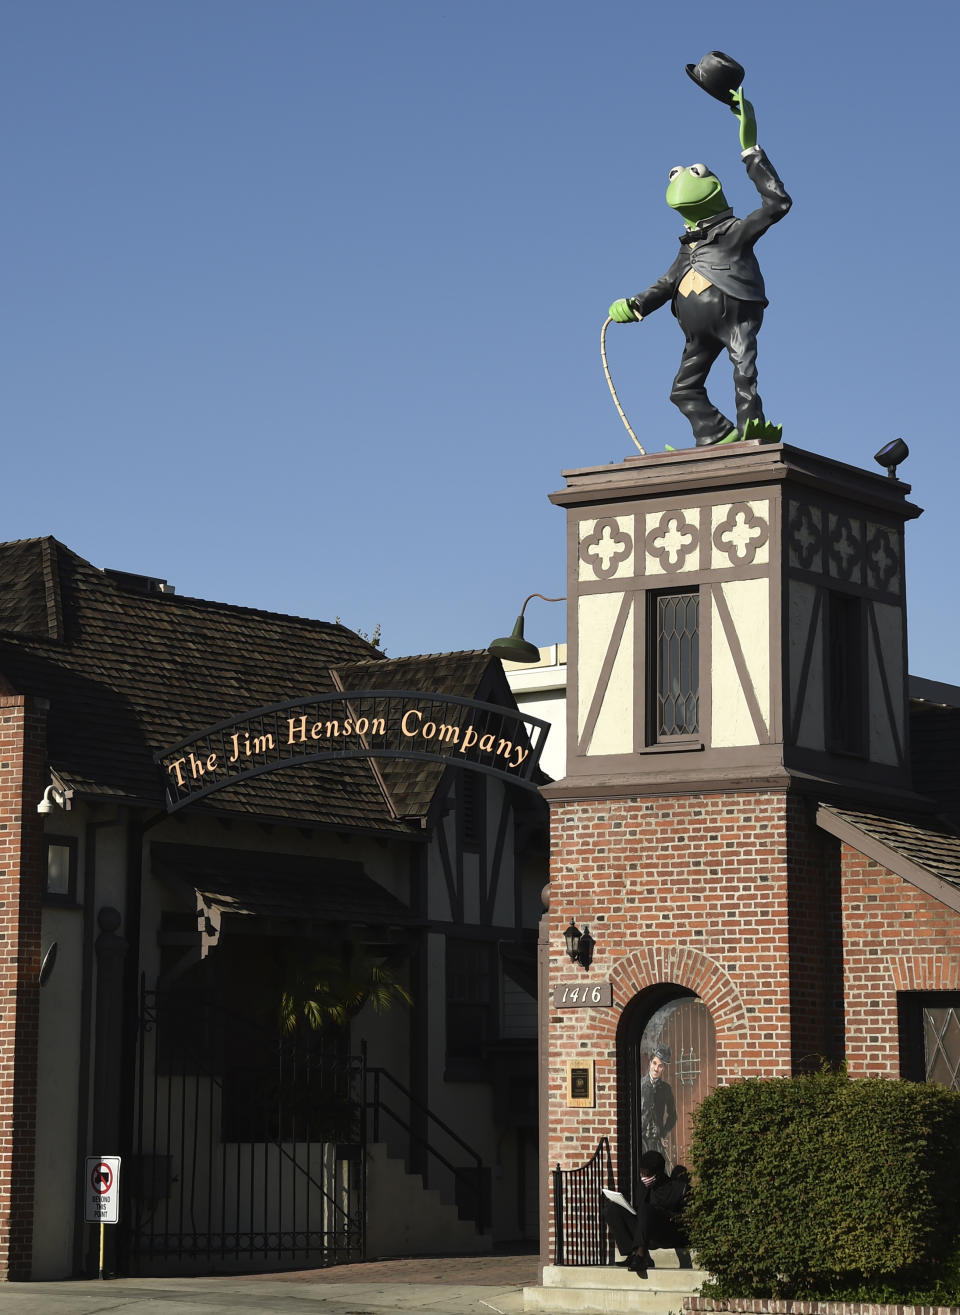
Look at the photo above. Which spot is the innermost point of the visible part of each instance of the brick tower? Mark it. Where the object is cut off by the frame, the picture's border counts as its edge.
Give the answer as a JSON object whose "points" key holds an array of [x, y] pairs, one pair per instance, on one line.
{"points": [[737, 659]]}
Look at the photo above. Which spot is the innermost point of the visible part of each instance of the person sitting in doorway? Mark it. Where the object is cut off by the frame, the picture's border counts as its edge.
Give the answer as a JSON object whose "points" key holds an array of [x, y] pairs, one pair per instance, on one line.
{"points": [[656, 1217]]}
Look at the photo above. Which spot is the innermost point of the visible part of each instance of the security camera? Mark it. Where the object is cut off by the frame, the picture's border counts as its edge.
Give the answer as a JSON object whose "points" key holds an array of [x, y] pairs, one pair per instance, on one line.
{"points": [[51, 796]]}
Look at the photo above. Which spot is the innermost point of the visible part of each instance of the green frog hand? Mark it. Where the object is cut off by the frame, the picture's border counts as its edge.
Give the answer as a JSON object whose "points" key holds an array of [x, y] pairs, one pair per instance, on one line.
{"points": [[748, 119], [622, 312]]}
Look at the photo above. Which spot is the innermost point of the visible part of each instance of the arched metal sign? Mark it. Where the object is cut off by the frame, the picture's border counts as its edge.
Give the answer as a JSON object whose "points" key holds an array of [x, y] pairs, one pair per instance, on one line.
{"points": [[442, 728]]}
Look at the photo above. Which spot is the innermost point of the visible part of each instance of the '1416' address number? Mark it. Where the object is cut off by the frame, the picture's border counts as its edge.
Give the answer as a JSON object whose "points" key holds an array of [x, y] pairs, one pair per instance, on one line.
{"points": [[577, 995]]}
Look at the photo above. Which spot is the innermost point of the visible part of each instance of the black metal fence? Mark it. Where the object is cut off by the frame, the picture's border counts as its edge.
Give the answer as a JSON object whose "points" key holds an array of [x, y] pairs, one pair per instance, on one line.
{"points": [[581, 1233], [248, 1146]]}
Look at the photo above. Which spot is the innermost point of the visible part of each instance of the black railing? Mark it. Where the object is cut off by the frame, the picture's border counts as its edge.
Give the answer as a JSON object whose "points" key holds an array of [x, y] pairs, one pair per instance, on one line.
{"points": [[248, 1147], [581, 1233], [467, 1179]]}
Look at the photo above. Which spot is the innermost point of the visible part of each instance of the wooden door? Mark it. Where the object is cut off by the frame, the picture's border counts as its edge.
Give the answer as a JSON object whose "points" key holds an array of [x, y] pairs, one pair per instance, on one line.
{"points": [[682, 1035]]}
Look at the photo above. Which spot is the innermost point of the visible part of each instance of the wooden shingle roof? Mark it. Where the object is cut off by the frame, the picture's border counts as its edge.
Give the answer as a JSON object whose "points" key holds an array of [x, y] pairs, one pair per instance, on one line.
{"points": [[131, 669], [922, 849]]}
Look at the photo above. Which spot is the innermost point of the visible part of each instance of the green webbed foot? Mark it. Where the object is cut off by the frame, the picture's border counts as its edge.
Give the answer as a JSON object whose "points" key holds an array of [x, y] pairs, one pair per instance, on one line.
{"points": [[762, 431]]}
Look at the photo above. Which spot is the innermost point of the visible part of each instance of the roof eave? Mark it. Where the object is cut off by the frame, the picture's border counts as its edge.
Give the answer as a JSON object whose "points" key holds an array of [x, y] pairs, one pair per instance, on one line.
{"points": [[888, 857]]}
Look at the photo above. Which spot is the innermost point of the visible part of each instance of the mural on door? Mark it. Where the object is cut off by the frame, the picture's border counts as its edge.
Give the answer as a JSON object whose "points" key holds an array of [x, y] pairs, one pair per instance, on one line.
{"points": [[678, 1056], [667, 1065]]}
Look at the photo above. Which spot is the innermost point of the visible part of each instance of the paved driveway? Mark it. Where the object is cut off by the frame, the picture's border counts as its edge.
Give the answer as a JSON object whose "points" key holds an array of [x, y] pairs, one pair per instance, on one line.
{"points": [[468, 1285]]}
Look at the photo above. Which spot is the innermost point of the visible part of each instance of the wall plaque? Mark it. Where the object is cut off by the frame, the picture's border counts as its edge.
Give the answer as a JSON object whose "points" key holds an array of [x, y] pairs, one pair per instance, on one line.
{"points": [[580, 1088], [577, 995]]}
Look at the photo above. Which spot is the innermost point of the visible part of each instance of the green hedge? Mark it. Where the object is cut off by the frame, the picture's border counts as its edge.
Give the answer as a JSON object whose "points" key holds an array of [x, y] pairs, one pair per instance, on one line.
{"points": [[831, 1188]]}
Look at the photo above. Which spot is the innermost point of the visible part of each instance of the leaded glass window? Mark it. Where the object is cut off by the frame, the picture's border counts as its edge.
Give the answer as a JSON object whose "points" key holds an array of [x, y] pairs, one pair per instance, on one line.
{"points": [[941, 1045], [930, 1037], [675, 623]]}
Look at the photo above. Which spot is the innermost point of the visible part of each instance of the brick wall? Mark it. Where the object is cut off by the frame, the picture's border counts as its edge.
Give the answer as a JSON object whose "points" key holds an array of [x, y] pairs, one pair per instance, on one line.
{"points": [[22, 767], [816, 982], [779, 1306], [688, 889], [895, 938], [797, 944]]}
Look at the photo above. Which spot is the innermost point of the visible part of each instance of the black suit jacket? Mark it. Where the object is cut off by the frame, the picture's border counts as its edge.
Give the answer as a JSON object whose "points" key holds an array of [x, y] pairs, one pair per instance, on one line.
{"points": [[721, 248], [668, 1194]]}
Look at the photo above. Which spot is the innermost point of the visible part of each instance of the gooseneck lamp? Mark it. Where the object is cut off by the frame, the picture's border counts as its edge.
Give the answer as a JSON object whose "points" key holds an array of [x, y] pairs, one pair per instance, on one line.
{"points": [[515, 648]]}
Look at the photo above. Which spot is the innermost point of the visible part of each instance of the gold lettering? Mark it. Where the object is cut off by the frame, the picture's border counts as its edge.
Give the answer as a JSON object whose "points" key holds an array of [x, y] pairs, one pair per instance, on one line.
{"points": [[428, 730], [196, 766], [470, 738], [211, 762], [378, 726], [316, 730], [521, 755], [348, 727], [295, 733], [505, 748], [335, 733], [486, 743], [449, 734], [411, 712], [175, 767], [236, 748], [261, 743], [362, 725]]}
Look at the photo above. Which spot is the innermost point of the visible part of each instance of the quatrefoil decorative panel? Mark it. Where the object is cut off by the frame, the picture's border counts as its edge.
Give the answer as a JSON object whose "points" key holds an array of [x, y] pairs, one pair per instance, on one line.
{"points": [[741, 533], [606, 548], [845, 548], [884, 556], [805, 536], [673, 541]]}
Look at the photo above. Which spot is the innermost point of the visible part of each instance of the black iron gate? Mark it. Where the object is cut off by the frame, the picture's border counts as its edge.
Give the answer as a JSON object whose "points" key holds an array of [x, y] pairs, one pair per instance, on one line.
{"points": [[248, 1146], [581, 1234]]}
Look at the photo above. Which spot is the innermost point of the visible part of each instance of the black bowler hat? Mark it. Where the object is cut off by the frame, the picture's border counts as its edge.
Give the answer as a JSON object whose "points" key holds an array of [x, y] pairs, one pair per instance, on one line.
{"points": [[717, 74]]}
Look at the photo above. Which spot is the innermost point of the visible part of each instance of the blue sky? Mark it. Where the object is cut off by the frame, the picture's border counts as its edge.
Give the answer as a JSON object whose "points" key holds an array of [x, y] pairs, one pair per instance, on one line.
{"points": [[303, 300]]}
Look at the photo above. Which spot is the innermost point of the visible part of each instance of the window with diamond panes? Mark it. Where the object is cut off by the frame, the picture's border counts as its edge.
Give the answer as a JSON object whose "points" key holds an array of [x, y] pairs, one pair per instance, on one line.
{"points": [[675, 690], [941, 1045], [930, 1037]]}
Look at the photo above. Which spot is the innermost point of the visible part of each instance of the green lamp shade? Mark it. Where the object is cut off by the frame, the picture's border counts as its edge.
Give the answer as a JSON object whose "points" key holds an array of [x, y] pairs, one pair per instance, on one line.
{"points": [[516, 648]]}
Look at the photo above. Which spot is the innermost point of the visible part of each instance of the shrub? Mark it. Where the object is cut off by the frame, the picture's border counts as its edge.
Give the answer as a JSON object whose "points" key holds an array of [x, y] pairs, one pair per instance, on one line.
{"points": [[826, 1187]]}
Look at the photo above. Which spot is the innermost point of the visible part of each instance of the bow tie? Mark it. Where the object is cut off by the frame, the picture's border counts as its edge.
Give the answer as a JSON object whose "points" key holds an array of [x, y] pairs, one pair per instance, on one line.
{"points": [[704, 228]]}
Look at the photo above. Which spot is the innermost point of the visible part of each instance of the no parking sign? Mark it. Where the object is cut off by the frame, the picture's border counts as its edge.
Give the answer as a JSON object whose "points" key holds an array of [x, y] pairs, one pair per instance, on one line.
{"points": [[102, 1189]]}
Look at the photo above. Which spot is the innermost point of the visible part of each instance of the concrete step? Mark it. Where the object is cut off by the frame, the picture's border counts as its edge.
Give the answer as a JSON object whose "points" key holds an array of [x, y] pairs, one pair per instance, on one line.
{"points": [[596, 1289], [405, 1218]]}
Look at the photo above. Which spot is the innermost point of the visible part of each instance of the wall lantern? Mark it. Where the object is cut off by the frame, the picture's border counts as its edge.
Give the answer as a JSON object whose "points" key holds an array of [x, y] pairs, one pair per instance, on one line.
{"points": [[579, 944]]}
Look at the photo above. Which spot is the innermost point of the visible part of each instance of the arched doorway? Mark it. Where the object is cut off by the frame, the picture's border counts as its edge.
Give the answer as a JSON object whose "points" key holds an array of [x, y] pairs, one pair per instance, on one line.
{"points": [[666, 1064]]}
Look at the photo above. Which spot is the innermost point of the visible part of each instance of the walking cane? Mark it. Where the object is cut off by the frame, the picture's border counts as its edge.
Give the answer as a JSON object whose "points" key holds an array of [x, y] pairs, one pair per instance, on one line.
{"points": [[613, 391]]}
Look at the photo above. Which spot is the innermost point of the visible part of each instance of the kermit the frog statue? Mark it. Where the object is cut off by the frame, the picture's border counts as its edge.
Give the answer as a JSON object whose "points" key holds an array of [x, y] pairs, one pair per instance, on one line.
{"points": [[715, 288]]}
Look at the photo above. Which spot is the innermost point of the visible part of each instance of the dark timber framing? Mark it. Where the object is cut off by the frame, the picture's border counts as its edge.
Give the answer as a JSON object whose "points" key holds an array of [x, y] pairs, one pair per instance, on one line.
{"points": [[764, 532]]}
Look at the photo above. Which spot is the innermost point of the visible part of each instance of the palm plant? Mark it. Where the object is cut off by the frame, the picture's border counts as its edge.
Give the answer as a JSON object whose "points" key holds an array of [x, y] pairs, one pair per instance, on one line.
{"points": [[328, 990]]}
